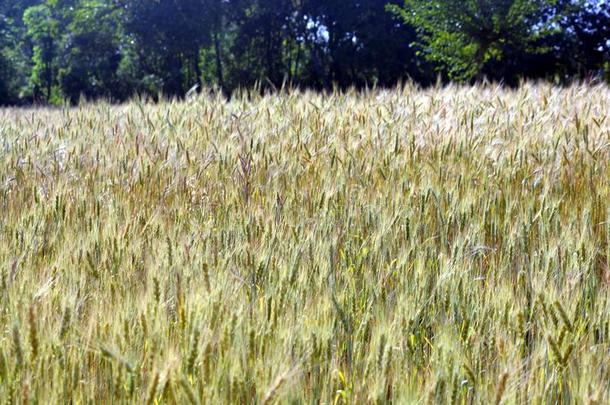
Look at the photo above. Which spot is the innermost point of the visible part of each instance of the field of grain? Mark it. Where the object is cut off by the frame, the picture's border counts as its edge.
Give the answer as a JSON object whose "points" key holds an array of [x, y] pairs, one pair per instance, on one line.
{"points": [[448, 245]]}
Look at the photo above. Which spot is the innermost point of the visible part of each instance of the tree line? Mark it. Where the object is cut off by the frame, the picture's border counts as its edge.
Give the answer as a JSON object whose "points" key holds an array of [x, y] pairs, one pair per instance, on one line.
{"points": [[57, 50]]}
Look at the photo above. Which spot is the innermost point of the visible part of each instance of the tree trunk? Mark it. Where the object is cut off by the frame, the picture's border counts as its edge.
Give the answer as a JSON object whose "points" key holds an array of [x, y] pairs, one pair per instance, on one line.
{"points": [[173, 84], [479, 59], [295, 76], [199, 79], [49, 80], [219, 74], [268, 57], [48, 69]]}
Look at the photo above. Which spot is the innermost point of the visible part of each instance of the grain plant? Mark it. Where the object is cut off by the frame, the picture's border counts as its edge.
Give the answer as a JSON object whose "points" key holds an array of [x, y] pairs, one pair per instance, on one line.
{"points": [[442, 245]]}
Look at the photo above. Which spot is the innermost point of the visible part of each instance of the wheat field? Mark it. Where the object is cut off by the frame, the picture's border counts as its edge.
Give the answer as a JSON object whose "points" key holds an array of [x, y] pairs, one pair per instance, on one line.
{"points": [[443, 245]]}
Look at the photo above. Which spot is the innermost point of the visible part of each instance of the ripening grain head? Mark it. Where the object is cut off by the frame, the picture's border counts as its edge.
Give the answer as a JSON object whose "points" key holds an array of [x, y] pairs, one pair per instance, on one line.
{"points": [[405, 245]]}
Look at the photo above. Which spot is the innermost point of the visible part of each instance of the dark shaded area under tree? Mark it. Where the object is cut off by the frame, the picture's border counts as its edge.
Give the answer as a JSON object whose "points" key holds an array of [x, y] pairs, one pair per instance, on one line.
{"points": [[57, 50]]}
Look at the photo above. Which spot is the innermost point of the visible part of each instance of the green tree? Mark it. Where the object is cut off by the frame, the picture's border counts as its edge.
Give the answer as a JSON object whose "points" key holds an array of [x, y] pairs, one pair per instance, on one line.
{"points": [[167, 37], [264, 40], [91, 52], [6, 69], [463, 37], [43, 30], [15, 52], [357, 43], [585, 39], [51, 50]]}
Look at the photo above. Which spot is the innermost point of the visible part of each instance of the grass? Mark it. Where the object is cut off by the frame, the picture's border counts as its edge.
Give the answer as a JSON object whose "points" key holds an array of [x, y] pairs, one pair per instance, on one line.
{"points": [[448, 245]]}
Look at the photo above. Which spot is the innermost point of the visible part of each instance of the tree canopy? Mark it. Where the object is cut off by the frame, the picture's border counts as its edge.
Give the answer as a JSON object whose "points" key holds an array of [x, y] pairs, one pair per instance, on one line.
{"points": [[57, 50], [462, 37]]}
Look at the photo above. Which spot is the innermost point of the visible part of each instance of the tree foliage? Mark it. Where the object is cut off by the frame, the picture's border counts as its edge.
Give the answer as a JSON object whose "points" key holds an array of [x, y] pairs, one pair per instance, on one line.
{"points": [[43, 30], [463, 36], [56, 50]]}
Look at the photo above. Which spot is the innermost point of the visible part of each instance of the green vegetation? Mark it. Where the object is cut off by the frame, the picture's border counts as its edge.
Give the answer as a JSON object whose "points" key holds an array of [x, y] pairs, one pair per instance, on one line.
{"points": [[464, 36], [57, 50], [448, 245]]}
